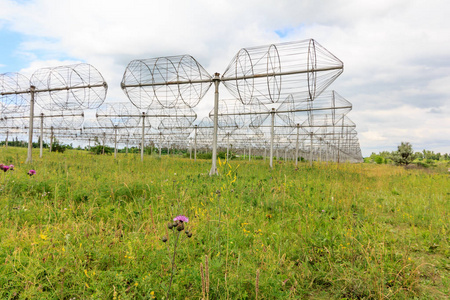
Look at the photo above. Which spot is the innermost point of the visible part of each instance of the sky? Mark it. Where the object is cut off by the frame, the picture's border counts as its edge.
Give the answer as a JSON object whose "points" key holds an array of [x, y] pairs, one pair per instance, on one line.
{"points": [[396, 53]]}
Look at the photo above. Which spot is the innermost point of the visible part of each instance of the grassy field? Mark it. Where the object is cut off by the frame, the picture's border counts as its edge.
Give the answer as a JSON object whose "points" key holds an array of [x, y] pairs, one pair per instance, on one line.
{"points": [[91, 227]]}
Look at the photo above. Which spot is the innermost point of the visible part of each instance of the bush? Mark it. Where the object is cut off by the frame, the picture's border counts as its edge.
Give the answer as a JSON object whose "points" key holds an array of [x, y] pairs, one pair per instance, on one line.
{"points": [[57, 147], [98, 149], [207, 155], [378, 159]]}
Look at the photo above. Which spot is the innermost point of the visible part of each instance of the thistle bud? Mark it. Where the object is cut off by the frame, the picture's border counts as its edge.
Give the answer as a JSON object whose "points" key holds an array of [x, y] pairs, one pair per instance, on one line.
{"points": [[189, 235], [180, 226], [164, 239], [170, 225]]}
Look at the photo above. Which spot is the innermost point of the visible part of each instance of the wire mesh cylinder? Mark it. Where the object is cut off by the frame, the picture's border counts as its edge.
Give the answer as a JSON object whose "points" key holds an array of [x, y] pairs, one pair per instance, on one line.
{"points": [[271, 73], [71, 87], [170, 81], [10, 83]]}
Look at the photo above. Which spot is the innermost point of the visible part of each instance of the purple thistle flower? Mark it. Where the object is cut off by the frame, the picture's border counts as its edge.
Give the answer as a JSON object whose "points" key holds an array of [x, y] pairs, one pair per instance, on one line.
{"points": [[11, 167], [31, 172], [5, 168], [181, 218]]}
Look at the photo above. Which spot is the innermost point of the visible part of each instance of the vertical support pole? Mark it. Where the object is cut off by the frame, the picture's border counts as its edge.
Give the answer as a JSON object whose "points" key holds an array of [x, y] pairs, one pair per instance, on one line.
{"points": [[6, 141], [272, 135], [339, 142], [104, 141], [41, 139], [160, 144], [265, 151], [195, 142], [115, 141], [30, 128], [310, 149], [320, 149], [249, 151], [277, 156], [333, 145], [228, 144], [142, 136], [51, 139], [126, 149], [302, 151], [338, 148], [89, 144], [296, 145], [216, 81], [347, 143]]}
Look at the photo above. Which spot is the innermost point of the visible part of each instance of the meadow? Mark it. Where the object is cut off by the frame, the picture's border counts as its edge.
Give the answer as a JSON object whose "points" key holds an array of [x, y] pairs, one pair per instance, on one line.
{"points": [[92, 227]]}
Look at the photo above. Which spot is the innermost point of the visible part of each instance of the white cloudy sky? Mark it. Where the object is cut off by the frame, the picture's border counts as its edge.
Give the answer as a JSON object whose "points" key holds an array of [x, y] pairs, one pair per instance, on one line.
{"points": [[396, 53]]}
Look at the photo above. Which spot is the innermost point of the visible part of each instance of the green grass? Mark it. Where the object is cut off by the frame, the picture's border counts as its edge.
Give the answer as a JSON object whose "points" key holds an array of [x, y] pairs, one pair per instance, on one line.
{"points": [[90, 227]]}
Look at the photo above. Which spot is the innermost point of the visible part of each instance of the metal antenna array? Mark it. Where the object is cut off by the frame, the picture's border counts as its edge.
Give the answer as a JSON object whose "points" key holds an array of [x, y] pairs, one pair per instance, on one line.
{"points": [[72, 87], [279, 103], [268, 73]]}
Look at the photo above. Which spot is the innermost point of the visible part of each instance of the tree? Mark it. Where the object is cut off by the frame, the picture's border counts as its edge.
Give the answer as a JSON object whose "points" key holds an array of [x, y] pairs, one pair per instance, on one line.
{"points": [[404, 154], [419, 155]]}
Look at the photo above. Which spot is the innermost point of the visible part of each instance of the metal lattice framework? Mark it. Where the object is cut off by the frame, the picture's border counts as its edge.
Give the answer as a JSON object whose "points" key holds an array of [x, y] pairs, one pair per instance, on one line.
{"points": [[157, 122], [62, 88], [265, 74], [294, 110], [280, 104]]}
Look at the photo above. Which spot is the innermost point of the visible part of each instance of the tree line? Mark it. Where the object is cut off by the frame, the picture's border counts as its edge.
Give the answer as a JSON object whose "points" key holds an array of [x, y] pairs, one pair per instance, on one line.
{"points": [[405, 155]]}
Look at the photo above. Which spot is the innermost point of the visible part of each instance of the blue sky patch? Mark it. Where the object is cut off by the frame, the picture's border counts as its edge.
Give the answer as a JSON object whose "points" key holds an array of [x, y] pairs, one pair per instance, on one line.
{"points": [[14, 57], [284, 32], [10, 59]]}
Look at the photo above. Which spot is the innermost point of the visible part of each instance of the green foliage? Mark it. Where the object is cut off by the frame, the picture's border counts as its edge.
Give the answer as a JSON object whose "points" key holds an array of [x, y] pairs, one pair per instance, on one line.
{"points": [[380, 158], [425, 158], [57, 147], [207, 155], [404, 154], [90, 227], [130, 150], [99, 149]]}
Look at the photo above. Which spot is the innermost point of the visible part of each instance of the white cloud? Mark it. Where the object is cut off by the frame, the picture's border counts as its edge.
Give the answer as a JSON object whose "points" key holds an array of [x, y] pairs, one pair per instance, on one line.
{"points": [[395, 53]]}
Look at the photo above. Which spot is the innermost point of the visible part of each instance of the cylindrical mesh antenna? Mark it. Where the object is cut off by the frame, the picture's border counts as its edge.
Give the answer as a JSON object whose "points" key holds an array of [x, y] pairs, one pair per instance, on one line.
{"points": [[13, 82], [78, 86], [328, 103], [70, 119], [121, 114], [167, 80], [273, 72]]}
